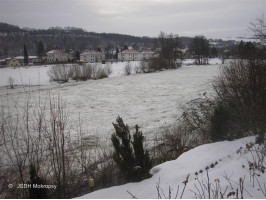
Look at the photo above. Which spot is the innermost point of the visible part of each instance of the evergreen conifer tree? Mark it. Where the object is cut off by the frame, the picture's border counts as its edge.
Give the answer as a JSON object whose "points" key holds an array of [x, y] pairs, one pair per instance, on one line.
{"points": [[40, 49], [134, 162], [26, 57], [77, 54], [142, 159], [219, 124]]}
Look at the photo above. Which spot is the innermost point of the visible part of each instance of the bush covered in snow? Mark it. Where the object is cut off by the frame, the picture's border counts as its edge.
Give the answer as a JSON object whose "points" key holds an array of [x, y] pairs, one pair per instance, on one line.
{"points": [[143, 67], [81, 72], [98, 72], [59, 73], [128, 68], [63, 73]]}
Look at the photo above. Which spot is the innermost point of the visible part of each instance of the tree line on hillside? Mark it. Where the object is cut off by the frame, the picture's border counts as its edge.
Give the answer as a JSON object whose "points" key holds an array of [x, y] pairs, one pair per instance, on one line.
{"points": [[37, 42], [13, 38], [66, 38]]}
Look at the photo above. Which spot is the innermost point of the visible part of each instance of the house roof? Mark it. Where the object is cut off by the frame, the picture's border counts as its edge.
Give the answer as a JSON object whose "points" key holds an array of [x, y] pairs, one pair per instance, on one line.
{"points": [[22, 57], [57, 50], [10, 59], [130, 51], [86, 52], [147, 51]]}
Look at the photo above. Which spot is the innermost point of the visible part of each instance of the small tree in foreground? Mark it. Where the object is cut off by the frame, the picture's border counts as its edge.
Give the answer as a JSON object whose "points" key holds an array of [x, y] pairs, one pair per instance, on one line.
{"points": [[219, 130], [130, 156]]}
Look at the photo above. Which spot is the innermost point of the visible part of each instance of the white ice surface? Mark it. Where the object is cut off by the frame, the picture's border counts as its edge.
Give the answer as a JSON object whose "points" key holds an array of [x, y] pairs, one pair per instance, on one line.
{"points": [[149, 100]]}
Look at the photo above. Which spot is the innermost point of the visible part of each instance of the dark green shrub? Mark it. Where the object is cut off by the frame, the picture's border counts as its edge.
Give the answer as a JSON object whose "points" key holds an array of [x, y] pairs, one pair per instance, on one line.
{"points": [[219, 124]]}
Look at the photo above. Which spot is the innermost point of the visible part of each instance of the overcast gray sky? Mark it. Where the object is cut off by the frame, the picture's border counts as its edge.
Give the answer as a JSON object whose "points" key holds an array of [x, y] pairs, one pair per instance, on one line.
{"points": [[212, 18]]}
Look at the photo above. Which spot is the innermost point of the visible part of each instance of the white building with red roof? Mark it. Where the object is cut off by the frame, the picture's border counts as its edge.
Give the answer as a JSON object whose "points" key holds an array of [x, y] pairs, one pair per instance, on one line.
{"points": [[59, 55], [92, 56], [134, 55], [129, 55], [147, 54]]}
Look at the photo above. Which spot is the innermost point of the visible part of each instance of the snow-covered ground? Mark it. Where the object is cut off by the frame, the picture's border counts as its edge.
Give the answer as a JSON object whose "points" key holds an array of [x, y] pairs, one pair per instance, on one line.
{"points": [[34, 75], [172, 174], [37, 75], [149, 100]]}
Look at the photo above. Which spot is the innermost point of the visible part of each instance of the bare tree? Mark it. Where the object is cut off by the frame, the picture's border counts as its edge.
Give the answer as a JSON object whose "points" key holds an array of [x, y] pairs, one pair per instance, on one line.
{"points": [[20, 143], [169, 46], [37, 132], [259, 29], [58, 138], [200, 48]]}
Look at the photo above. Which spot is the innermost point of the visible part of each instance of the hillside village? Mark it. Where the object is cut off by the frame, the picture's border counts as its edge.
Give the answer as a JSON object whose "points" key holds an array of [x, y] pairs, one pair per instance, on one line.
{"points": [[58, 55], [68, 45]]}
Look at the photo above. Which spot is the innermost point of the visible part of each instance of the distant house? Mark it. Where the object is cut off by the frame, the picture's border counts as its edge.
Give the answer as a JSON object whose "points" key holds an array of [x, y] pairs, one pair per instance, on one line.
{"points": [[13, 62], [183, 53], [35, 59], [147, 54], [92, 56], [2, 62], [32, 59], [186, 53], [129, 55], [20, 59], [134, 55], [60, 55]]}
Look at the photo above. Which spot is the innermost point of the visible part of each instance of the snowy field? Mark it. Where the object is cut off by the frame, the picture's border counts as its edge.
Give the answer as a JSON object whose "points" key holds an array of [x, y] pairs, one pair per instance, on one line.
{"points": [[171, 174], [37, 75], [149, 100]]}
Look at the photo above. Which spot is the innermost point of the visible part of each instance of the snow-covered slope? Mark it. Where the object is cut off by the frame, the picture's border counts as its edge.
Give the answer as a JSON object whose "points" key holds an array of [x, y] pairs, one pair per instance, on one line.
{"points": [[173, 173]]}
